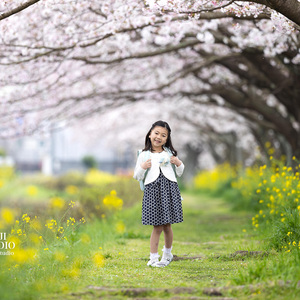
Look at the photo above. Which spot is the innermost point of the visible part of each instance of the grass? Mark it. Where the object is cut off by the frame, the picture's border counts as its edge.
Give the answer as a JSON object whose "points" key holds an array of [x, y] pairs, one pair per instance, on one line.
{"points": [[206, 265]]}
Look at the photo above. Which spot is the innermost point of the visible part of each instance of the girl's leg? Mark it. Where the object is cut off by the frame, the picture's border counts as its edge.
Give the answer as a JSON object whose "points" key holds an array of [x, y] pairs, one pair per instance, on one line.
{"points": [[168, 235], [154, 239], [167, 255]]}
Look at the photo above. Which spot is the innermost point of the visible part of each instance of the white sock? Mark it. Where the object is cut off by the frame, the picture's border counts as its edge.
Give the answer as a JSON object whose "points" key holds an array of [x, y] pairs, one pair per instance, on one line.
{"points": [[167, 250], [154, 255]]}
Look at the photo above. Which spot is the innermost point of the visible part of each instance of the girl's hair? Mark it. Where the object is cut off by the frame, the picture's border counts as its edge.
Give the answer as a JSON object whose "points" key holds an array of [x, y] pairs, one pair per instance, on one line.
{"points": [[168, 143]]}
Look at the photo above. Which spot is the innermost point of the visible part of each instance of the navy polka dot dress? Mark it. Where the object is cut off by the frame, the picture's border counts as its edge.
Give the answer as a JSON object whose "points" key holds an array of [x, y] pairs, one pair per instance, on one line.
{"points": [[161, 202]]}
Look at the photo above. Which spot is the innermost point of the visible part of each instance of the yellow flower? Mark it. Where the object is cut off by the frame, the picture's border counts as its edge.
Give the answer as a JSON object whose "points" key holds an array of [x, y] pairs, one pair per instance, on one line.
{"points": [[60, 229], [32, 190], [71, 189], [71, 221], [98, 259], [267, 144], [51, 224], [57, 203], [22, 256], [14, 240], [96, 177], [72, 203], [112, 201], [74, 272], [26, 218], [282, 219], [7, 215]]}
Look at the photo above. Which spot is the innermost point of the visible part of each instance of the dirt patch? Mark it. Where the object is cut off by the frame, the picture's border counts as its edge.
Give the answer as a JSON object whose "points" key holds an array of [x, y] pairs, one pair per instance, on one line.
{"points": [[137, 293], [197, 257], [148, 293], [241, 254], [249, 253]]}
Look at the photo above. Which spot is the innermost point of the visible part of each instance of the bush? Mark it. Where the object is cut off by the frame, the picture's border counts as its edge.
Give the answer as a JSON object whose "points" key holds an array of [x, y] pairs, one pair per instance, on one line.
{"points": [[271, 192], [217, 180], [72, 178], [89, 162]]}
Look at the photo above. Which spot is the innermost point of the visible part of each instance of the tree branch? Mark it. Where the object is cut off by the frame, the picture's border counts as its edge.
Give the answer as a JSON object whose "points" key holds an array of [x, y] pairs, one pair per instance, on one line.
{"points": [[139, 55], [17, 9], [289, 8]]}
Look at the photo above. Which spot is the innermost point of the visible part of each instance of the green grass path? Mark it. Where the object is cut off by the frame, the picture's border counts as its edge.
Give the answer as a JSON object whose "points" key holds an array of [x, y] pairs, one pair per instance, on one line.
{"points": [[204, 269]]}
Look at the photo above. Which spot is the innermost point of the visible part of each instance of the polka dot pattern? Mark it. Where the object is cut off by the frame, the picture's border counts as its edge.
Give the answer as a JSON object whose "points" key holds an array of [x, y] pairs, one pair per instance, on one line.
{"points": [[161, 202]]}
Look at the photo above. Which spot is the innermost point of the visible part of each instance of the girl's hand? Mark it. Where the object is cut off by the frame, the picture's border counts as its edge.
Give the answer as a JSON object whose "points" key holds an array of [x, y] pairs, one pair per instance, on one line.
{"points": [[146, 164], [174, 160]]}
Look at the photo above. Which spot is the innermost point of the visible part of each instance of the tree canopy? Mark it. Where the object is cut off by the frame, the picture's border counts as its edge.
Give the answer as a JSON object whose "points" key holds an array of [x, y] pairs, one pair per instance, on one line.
{"points": [[68, 60]]}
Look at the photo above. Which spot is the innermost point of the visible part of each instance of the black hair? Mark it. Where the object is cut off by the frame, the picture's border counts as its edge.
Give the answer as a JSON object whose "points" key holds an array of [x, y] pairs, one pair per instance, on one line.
{"points": [[168, 143]]}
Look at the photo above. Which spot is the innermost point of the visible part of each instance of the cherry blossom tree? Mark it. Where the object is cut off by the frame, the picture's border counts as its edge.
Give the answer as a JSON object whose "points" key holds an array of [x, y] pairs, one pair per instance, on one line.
{"points": [[67, 60], [290, 9]]}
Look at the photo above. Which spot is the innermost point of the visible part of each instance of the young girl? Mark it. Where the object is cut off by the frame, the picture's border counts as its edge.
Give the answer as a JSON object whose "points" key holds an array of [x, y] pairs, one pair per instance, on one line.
{"points": [[162, 200]]}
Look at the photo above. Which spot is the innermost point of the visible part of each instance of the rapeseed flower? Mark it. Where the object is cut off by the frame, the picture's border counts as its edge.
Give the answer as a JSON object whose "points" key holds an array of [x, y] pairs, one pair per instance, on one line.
{"points": [[7, 216], [32, 190], [51, 224], [96, 177], [22, 256], [73, 272], [26, 218], [111, 201], [57, 203], [98, 259], [71, 189]]}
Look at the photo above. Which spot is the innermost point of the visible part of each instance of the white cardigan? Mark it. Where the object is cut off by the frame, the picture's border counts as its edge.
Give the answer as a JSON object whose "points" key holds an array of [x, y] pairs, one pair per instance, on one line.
{"points": [[158, 161]]}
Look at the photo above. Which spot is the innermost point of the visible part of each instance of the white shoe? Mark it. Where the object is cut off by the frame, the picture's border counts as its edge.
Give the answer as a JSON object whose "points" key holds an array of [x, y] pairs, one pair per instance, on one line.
{"points": [[166, 260], [152, 262]]}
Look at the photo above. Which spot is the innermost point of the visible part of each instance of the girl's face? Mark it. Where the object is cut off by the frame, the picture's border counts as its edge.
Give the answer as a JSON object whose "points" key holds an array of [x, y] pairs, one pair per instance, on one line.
{"points": [[158, 137]]}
